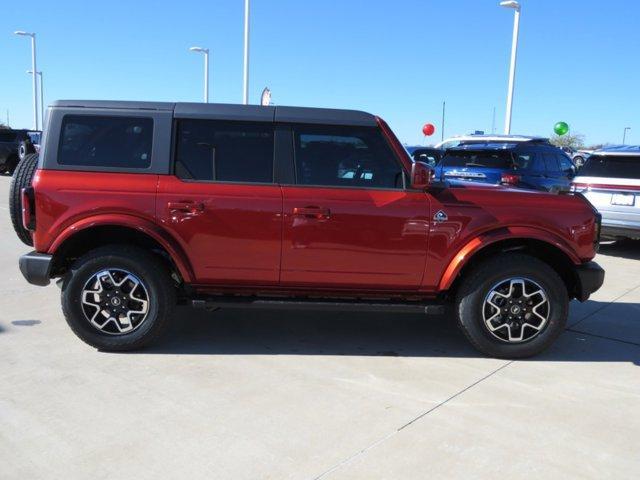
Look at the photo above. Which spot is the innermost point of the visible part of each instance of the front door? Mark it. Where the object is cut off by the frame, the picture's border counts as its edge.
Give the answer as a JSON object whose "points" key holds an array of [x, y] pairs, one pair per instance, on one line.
{"points": [[348, 221], [221, 203]]}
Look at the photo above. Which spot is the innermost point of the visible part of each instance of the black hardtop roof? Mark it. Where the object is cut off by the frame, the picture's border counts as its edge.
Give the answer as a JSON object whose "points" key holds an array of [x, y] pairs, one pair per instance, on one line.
{"points": [[228, 111]]}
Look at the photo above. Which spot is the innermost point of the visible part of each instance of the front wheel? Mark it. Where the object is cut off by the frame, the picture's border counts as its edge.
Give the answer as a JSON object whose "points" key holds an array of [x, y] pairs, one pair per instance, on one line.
{"points": [[512, 306], [118, 298]]}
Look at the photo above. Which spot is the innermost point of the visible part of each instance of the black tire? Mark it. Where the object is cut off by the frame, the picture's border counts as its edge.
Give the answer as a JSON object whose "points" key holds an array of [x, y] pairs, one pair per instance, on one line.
{"points": [[22, 178], [25, 148], [152, 274], [479, 282]]}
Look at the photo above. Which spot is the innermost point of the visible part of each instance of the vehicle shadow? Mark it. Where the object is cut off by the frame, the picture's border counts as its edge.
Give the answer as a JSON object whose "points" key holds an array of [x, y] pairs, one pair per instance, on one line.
{"points": [[627, 248], [268, 332]]}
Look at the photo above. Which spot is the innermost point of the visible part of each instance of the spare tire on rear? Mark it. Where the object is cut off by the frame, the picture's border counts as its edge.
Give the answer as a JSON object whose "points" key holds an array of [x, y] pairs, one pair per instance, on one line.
{"points": [[22, 177], [25, 148]]}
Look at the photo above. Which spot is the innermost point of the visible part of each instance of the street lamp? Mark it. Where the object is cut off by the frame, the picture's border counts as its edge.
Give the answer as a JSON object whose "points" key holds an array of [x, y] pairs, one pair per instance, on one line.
{"points": [[245, 76], [512, 69], [206, 70], [41, 97], [34, 69], [624, 135]]}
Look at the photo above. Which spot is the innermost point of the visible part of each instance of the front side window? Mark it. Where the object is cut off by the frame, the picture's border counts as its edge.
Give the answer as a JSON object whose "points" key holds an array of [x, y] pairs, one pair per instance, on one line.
{"points": [[104, 141], [209, 150], [345, 156]]}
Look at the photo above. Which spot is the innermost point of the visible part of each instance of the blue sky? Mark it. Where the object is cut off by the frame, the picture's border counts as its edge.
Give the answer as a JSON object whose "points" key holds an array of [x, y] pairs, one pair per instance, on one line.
{"points": [[577, 62]]}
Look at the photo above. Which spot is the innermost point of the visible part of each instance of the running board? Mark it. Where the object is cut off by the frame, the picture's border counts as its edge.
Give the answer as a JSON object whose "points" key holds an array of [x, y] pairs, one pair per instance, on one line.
{"points": [[312, 304]]}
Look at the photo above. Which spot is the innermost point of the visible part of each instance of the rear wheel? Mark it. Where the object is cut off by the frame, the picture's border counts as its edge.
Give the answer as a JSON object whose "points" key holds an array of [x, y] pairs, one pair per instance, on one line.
{"points": [[512, 306], [25, 148], [22, 178], [118, 298]]}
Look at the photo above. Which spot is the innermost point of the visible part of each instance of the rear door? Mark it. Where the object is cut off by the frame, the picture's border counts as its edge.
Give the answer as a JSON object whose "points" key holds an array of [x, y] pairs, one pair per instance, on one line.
{"points": [[221, 203], [559, 170], [348, 220]]}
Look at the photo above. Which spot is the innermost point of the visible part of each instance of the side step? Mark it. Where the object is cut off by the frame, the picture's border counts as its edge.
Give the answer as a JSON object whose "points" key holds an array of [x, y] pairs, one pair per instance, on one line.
{"points": [[214, 303]]}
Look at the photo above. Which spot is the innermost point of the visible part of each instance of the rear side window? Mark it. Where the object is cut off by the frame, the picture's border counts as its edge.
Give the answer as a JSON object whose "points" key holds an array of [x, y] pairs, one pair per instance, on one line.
{"points": [[209, 150], [345, 156], [611, 166], [566, 165], [105, 141]]}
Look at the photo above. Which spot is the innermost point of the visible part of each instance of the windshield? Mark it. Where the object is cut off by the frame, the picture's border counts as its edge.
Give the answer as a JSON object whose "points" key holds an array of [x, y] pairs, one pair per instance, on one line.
{"points": [[500, 160], [611, 166]]}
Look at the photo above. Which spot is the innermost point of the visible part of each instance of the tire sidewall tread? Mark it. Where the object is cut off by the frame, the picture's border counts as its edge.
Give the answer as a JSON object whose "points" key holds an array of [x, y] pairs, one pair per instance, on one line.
{"points": [[475, 286], [22, 178], [142, 264]]}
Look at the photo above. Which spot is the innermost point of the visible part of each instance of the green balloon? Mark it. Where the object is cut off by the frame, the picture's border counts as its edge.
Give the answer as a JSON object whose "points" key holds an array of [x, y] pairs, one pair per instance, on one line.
{"points": [[561, 128]]}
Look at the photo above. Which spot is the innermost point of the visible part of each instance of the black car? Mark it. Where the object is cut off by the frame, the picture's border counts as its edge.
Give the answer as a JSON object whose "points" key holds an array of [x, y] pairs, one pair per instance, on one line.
{"points": [[534, 164], [15, 145]]}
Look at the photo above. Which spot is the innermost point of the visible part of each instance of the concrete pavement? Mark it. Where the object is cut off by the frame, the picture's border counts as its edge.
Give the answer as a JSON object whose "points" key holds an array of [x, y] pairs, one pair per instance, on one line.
{"points": [[245, 394]]}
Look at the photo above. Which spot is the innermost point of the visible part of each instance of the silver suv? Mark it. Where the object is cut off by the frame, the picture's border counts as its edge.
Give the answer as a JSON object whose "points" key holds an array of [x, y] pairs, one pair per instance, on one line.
{"points": [[610, 179]]}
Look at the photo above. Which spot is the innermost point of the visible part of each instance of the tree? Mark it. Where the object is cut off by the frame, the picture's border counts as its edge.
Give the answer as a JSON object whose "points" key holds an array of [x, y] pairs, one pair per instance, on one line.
{"points": [[572, 140]]}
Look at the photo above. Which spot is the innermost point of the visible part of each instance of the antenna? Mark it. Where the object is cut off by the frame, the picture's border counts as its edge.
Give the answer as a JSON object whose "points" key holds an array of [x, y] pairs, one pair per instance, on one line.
{"points": [[493, 121]]}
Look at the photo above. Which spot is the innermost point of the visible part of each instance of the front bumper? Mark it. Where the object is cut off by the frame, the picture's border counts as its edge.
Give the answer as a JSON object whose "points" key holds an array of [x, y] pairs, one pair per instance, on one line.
{"points": [[590, 278], [36, 268]]}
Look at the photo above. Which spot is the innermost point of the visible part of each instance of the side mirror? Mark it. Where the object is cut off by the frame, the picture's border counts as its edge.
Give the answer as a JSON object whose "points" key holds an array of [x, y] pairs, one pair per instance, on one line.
{"points": [[422, 175]]}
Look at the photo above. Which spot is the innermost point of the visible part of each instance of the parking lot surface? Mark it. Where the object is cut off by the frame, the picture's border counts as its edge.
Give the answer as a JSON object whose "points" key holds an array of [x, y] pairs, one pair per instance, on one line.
{"points": [[249, 394]]}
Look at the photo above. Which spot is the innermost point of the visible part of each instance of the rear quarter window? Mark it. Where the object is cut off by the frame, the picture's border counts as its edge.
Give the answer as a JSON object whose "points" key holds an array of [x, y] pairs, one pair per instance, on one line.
{"points": [[106, 141], [612, 166]]}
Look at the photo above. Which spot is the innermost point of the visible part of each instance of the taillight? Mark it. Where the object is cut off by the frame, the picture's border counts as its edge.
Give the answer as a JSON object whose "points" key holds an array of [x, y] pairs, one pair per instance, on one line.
{"points": [[509, 178], [579, 187], [28, 205], [596, 241]]}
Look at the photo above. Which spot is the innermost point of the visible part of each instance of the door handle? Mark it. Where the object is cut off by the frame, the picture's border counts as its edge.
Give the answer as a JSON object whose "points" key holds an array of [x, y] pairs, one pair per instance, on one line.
{"points": [[185, 207], [318, 213]]}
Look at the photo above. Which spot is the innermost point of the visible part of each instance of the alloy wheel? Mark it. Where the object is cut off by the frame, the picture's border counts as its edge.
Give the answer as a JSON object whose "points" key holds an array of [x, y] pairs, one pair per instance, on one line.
{"points": [[516, 310], [115, 301]]}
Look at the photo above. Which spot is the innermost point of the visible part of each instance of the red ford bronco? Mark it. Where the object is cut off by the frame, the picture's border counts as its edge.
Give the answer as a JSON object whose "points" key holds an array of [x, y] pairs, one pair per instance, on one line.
{"points": [[136, 207]]}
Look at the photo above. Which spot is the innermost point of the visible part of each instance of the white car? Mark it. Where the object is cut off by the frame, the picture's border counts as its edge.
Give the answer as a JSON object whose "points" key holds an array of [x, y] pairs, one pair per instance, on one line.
{"points": [[610, 179]]}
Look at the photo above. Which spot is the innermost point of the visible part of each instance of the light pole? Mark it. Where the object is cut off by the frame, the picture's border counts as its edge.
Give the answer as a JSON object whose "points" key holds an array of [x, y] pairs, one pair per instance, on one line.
{"points": [[245, 76], [34, 69], [205, 51], [512, 69], [41, 97], [624, 134]]}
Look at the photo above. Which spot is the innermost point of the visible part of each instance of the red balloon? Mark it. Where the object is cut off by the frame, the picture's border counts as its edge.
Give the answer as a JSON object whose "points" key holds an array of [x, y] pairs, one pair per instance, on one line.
{"points": [[428, 129]]}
